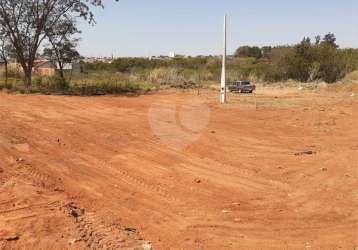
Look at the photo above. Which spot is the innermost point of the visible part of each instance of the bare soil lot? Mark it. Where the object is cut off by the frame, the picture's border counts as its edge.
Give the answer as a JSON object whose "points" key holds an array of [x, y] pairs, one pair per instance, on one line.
{"points": [[102, 173]]}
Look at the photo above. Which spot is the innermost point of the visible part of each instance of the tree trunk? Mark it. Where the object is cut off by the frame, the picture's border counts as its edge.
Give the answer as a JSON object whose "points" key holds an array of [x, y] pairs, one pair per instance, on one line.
{"points": [[28, 77], [61, 71]]}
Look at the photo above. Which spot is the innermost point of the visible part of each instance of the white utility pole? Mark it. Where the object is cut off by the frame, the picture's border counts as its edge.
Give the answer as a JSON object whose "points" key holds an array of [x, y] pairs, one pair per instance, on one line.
{"points": [[223, 72]]}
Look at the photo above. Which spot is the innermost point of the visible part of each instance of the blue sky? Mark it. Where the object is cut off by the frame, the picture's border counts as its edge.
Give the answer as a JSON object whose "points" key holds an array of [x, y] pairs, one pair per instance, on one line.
{"points": [[194, 27]]}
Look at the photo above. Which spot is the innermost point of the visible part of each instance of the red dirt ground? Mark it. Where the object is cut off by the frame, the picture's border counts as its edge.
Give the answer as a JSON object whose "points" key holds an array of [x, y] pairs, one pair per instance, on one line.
{"points": [[100, 173]]}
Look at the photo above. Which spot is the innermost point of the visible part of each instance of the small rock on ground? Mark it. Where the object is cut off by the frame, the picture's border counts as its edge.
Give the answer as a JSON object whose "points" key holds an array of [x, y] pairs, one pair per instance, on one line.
{"points": [[147, 246]]}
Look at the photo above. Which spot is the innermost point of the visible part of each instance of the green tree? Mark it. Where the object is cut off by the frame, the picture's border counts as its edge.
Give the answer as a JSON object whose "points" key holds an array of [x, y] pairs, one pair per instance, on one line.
{"points": [[317, 39], [247, 51], [62, 47], [25, 22], [329, 40], [301, 61], [331, 62], [266, 51], [6, 52]]}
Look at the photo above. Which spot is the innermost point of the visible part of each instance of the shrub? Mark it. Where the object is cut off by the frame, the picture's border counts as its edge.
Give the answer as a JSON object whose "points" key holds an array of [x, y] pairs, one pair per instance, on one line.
{"points": [[58, 83]]}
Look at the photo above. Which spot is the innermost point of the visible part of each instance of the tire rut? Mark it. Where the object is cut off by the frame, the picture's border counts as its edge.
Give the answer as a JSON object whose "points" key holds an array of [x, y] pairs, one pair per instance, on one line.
{"points": [[97, 234]]}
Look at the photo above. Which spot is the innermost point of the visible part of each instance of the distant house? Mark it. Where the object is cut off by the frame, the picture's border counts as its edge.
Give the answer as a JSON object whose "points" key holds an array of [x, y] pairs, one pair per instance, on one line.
{"points": [[172, 55], [44, 68], [47, 68], [108, 60], [12, 66]]}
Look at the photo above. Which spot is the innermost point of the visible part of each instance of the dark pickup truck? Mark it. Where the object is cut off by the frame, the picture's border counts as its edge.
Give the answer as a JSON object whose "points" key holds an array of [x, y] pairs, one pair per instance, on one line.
{"points": [[242, 87]]}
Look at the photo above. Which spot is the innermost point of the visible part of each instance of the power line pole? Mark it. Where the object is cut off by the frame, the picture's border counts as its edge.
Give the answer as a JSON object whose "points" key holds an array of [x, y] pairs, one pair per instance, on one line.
{"points": [[223, 72]]}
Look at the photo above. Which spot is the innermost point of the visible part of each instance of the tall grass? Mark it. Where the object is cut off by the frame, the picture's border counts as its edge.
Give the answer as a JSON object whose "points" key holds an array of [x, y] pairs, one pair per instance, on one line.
{"points": [[99, 83]]}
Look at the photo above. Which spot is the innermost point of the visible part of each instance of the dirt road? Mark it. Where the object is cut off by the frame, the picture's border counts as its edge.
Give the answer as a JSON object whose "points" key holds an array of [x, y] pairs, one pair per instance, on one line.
{"points": [[176, 171]]}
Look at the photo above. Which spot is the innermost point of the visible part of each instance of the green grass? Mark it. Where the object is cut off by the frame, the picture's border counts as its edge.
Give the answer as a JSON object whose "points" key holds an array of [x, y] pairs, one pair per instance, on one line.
{"points": [[101, 82], [82, 87]]}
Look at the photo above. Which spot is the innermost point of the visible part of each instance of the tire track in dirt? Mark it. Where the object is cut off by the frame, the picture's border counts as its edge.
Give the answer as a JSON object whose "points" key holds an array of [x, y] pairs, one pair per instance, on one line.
{"points": [[138, 182], [97, 234], [27, 171], [90, 228], [145, 187]]}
